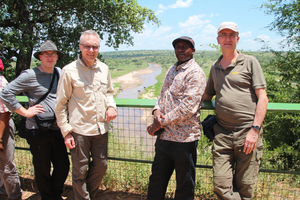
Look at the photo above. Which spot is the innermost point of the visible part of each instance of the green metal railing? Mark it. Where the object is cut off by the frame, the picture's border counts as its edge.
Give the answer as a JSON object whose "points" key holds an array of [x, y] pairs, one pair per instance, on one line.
{"points": [[149, 103], [131, 152]]}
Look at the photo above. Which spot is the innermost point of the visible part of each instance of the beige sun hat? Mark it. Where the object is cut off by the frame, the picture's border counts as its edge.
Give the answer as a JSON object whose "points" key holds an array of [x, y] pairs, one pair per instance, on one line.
{"points": [[48, 45]]}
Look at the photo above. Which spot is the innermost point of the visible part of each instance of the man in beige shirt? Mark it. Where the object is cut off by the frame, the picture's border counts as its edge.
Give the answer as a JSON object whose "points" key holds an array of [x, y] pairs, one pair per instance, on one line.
{"points": [[84, 107]]}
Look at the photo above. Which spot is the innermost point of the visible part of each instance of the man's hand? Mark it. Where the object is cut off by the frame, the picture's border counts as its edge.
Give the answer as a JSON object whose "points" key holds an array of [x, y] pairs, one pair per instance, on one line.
{"points": [[34, 110], [111, 114], [157, 119], [69, 141], [31, 111], [4, 121], [1, 146], [250, 141], [151, 129]]}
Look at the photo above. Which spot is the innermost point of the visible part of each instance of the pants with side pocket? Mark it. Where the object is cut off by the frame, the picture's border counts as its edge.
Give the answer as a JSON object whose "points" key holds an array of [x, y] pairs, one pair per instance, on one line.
{"points": [[234, 172], [89, 159]]}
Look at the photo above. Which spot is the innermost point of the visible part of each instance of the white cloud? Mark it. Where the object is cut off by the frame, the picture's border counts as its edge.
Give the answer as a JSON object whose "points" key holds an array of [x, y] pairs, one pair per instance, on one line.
{"points": [[178, 4], [160, 6], [161, 30], [181, 4], [210, 30], [246, 34], [213, 15], [159, 11], [193, 21], [264, 37]]}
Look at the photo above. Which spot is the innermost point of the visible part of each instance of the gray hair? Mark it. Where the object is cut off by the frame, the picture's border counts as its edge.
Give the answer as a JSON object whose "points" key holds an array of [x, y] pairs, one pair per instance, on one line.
{"points": [[89, 32]]}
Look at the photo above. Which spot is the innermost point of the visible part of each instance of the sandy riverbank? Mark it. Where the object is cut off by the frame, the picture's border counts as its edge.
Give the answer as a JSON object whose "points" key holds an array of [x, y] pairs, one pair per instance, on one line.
{"points": [[133, 80]]}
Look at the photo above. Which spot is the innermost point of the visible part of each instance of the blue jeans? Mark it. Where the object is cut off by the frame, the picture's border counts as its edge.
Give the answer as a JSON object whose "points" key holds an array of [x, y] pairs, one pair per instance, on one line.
{"points": [[169, 156]]}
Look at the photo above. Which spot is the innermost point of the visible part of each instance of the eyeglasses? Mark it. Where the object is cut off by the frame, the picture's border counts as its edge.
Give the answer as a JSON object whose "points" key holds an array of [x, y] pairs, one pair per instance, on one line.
{"points": [[184, 47], [225, 35], [88, 47], [49, 54]]}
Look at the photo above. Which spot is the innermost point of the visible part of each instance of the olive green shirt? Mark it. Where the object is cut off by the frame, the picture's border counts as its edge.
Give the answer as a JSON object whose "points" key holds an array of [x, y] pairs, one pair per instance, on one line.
{"points": [[234, 88]]}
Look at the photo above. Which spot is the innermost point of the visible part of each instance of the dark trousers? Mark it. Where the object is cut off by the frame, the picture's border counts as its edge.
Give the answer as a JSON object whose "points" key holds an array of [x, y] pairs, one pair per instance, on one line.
{"points": [[169, 156], [48, 147]]}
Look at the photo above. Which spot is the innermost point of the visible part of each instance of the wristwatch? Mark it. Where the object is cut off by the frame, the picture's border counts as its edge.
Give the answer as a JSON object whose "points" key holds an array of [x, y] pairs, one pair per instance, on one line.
{"points": [[257, 128]]}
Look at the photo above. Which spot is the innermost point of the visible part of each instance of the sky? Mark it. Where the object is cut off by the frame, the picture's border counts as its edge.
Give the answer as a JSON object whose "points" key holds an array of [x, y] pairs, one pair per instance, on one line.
{"points": [[200, 19]]}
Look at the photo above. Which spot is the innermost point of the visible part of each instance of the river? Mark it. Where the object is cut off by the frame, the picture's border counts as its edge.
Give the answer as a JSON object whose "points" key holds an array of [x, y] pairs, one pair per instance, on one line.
{"points": [[147, 81], [131, 123]]}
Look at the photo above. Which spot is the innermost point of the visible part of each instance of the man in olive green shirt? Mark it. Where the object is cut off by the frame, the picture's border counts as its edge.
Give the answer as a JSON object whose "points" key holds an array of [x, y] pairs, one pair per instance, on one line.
{"points": [[238, 83]]}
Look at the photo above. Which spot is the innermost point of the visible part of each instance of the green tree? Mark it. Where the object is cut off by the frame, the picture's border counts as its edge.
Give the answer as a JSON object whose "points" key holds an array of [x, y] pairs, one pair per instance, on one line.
{"points": [[282, 129], [286, 20], [287, 24], [25, 24]]}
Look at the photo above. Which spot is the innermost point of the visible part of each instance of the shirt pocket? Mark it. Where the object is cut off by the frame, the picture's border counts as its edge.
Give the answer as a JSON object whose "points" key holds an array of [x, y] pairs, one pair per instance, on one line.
{"points": [[82, 90], [103, 86], [177, 87]]}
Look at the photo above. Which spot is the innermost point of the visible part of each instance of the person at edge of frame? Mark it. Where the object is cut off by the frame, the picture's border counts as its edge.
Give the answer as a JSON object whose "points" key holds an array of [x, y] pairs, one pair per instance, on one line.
{"points": [[177, 117], [48, 146], [84, 108], [10, 185], [239, 85]]}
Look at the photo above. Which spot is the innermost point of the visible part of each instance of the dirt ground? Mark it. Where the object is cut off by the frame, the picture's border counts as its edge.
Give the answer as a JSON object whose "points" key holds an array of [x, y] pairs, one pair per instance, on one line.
{"points": [[30, 193]]}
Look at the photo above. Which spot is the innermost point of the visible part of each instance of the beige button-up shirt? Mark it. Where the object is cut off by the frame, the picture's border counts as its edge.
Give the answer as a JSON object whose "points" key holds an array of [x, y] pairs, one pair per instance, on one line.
{"points": [[83, 96]]}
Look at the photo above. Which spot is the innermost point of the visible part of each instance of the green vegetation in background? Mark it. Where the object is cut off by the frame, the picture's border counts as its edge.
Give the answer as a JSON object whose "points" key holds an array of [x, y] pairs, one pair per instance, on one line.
{"points": [[123, 62], [117, 85], [282, 130], [23, 33]]}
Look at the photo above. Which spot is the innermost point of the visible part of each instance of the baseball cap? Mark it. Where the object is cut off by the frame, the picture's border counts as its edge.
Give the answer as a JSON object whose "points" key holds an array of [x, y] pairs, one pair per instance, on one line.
{"points": [[184, 38], [228, 25]]}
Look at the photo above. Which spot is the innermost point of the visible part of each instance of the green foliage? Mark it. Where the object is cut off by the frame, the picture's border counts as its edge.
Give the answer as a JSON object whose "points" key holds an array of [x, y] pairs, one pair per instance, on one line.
{"points": [[8, 72], [24, 25], [282, 129], [287, 19], [282, 133]]}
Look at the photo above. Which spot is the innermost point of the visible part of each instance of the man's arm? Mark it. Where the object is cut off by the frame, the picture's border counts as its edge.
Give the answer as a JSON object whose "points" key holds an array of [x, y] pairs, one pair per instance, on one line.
{"points": [[63, 94], [4, 120], [207, 97], [111, 111], [260, 113]]}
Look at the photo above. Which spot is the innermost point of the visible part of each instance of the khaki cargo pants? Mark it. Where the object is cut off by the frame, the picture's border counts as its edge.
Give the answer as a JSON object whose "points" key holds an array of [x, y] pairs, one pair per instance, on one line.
{"points": [[234, 172]]}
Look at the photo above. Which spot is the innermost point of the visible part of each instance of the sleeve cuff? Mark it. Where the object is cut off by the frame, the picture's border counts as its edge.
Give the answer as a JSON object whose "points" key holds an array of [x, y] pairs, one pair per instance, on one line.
{"points": [[66, 130]]}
